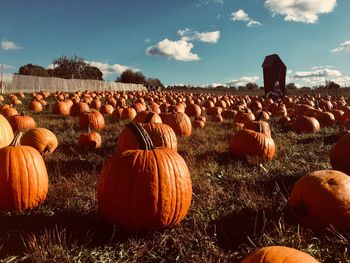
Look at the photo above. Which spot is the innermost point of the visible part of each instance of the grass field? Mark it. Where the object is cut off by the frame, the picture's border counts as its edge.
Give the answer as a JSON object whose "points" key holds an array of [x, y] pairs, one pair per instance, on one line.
{"points": [[235, 208]]}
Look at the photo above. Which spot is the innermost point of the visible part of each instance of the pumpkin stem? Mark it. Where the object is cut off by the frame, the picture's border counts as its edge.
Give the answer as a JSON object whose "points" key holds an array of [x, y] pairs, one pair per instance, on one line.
{"points": [[260, 116], [142, 136], [17, 140], [149, 117], [263, 168]]}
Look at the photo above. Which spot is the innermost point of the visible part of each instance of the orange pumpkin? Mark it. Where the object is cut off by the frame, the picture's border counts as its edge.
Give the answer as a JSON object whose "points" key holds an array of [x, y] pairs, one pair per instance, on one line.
{"points": [[144, 189], [21, 122], [279, 254], [340, 155], [320, 199], [90, 140], [306, 125], [94, 119], [41, 139], [23, 177], [256, 147], [179, 122], [162, 135], [6, 132]]}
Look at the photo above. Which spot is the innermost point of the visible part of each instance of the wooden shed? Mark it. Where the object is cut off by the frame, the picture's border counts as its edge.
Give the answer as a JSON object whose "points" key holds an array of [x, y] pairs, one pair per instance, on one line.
{"points": [[274, 75]]}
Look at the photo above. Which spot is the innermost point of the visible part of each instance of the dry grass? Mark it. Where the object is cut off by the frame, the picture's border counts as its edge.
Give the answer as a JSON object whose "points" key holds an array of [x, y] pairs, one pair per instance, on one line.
{"points": [[236, 207]]}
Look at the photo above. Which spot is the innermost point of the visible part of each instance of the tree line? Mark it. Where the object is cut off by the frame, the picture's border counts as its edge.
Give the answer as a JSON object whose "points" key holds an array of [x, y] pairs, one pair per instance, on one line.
{"points": [[75, 67]]}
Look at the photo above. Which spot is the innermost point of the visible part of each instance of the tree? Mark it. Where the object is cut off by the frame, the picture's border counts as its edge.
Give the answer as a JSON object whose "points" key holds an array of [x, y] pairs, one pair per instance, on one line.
{"points": [[33, 70], [74, 68], [291, 86], [130, 76], [252, 86], [151, 82]]}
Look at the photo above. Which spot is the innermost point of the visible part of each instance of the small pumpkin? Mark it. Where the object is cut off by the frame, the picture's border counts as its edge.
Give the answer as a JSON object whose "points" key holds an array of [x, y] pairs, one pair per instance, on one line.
{"points": [[179, 122], [306, 125], [256, 147], [93, 118], [90, 140]]}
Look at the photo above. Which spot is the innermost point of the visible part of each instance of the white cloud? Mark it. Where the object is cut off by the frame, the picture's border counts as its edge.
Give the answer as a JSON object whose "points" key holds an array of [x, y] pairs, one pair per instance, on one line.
{"points": [[108, 69], [317, 76], [6, 66], [253, 23], [240, 15], [207, 37], [345, 46], [305, 11], [178, 50], [330, 73], [242, 81], [207, 2], [9, 45]]}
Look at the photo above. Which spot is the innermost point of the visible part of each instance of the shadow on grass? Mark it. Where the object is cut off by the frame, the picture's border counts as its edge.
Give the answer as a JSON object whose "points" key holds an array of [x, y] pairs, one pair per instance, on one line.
{"points": [[88, 230], [235, 229]]}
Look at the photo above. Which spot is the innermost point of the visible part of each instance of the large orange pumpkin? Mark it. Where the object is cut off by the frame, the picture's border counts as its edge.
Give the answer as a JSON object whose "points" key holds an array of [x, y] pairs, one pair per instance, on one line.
{"points": [[144, 189], [41, 139], [279, 254], [340, 155], [322, 198], [6, 132], [306, 125], [23, 177]]}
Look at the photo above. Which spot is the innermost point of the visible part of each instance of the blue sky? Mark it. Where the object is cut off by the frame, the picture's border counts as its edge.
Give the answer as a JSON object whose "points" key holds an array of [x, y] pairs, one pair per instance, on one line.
{"points": [[198, 42]]}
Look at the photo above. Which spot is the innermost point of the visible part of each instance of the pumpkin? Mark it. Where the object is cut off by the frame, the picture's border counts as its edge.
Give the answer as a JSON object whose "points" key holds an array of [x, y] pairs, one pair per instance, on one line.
{"points": [[61, 108], [320, 199], [23, 177], [8, 112], [306, 125], [198, 123], [129, 114], [107, 109], [162, 135], [42, 139], [90, 140], [326, 119], [144, 189], [193, 110], [340, 155], [35, 106], [6, 132], [93, 118], [179, 122], [279, 254], [21, 122], [258, 125], [256, 147], [78, 108], [147, 117]]}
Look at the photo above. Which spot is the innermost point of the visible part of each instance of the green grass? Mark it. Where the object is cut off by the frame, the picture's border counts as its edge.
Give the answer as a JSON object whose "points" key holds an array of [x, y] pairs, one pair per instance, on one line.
{"points": [[235, 209]]}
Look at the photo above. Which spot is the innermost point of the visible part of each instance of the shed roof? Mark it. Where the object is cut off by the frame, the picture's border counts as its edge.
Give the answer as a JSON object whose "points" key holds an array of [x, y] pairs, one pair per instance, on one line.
{"points": [[271, 60]]}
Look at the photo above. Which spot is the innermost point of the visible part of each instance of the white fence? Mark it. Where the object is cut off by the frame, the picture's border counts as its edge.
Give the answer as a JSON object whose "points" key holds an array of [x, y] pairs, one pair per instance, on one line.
{"points": [[12, 83]]}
